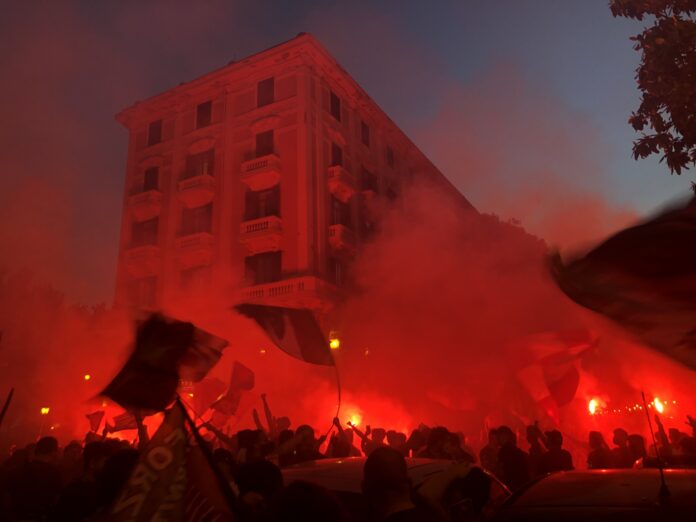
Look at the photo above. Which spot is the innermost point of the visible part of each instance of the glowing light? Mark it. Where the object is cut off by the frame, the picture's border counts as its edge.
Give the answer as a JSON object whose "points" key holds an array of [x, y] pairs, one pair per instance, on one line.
{"points": [[190, 395], [262, 351], [87, 377], [45, 410], [659, 405], [335, 343], [367, 352], [355, 419], [592, 406]]}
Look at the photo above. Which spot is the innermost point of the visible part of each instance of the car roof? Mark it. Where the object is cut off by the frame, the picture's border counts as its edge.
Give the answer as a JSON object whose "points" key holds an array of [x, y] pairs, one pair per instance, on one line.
{"points": [[346, 474], [607, 488]]}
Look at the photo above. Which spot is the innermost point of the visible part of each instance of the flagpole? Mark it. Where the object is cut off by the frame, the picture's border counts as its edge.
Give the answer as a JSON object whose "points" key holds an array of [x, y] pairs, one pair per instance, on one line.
{"points": [[338, 393], [203, 445], [7, 405]]}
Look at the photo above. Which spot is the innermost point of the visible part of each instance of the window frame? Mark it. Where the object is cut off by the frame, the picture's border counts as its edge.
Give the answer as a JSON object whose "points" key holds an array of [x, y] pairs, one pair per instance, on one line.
{"points": [[156, 137], [207, 113], [266, 100]]}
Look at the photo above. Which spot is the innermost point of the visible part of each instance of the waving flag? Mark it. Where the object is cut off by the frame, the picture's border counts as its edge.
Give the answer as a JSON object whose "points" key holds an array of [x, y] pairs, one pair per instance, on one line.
{"points": [[95, 420], [643, 278], [241, 380], [180, 484], [295, 331], [165, 352], [125, 421]]}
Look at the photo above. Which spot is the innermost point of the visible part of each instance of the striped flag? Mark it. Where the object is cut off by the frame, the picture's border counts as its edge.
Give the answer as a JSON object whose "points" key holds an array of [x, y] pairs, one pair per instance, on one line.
{"points": [[293, 330], [125, 421]]}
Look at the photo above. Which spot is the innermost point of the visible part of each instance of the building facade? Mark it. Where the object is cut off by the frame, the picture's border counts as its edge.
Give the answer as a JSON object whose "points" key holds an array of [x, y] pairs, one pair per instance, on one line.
{"points": [[258, 181]]}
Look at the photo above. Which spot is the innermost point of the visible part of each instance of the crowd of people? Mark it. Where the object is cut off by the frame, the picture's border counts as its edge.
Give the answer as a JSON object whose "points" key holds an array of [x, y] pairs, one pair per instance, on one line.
{"points": [[80, 481]]}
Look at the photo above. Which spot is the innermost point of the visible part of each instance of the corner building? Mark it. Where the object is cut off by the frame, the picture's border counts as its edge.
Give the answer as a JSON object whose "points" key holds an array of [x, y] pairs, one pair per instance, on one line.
{"points": [[257, 181]]}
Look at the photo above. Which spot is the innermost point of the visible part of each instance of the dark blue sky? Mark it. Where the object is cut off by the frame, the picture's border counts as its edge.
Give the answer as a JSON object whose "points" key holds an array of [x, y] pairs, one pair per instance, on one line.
{"points": [[529, 95]]}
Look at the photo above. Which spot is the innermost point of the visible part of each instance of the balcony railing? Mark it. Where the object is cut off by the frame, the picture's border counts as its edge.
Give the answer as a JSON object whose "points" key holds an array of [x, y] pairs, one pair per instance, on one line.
{"points": [[261, 173], [142, 261], [342, 239], [145, 205], [196, 191], [262, 235], [298, 292], [341, 183], [195, 249]]}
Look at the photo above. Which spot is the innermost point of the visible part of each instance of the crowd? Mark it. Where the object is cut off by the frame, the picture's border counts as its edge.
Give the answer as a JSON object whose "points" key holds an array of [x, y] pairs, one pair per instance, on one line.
{"points": [[81, 481]]}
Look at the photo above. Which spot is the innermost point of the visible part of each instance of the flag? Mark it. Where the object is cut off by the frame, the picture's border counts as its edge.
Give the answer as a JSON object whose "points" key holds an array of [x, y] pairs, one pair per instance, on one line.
{"points": [[219, 419], [206, 392], [242, 377], [165, 351], [293, 330], [95, 419], [201, 356], [172, 480], [553, 376], [125, 421], [643, 278], [228, 403]]}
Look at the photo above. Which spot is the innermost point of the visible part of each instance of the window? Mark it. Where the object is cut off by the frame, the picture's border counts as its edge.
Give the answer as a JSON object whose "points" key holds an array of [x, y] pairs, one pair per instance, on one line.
{"points": [[201, 164], [151, 179], [340, 213], [144, 232], [368, 181], [265, 92], [143, 292], [336, 271], [365, 134], [390, 157], [197, 220], [262, 203], [195, 278], [264, 143], [336, 155], [154, 133], [204, 114], [335, 106], [264, 268]]}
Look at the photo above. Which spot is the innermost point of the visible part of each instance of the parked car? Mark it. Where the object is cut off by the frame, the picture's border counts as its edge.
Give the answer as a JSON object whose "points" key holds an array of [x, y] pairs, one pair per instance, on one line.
{"points": [[672, 462], [344, 478], [614, 495]]}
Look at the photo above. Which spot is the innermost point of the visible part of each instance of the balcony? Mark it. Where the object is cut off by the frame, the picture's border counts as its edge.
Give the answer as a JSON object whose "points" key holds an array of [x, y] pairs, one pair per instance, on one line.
{"points": [[145, 205], [261, 235], [341, 183], [195, 249], [261, 173], [196, 191], [342, 239], [142, 261], [298, 292]]}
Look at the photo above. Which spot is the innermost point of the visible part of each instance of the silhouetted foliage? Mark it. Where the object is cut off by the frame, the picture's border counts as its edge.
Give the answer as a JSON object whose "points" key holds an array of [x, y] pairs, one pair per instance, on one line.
{"points": [[666, 77]]}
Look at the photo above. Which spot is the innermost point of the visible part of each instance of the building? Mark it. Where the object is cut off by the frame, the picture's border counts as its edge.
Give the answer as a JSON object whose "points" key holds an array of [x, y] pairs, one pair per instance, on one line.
{"points": [[256, 181]]}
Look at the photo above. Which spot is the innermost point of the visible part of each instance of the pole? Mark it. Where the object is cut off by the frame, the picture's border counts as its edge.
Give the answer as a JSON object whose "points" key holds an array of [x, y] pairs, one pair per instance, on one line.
{"points": [[6, 405], [664, 491], [222, 481]]}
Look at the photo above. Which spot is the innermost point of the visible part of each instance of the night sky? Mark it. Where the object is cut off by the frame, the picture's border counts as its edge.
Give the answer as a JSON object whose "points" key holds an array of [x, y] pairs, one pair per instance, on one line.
{"points": [[523, 105]]}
